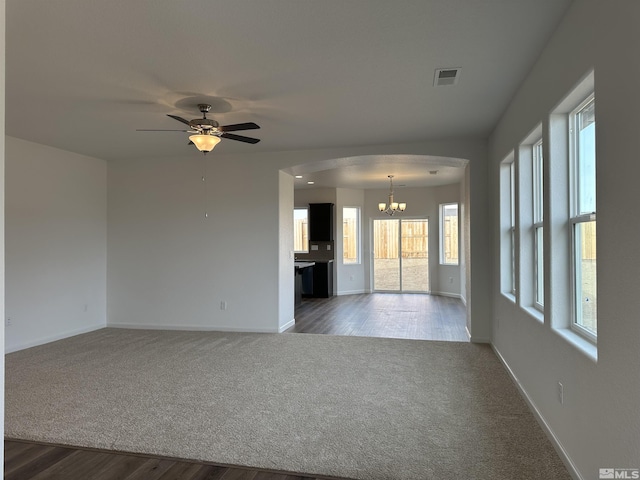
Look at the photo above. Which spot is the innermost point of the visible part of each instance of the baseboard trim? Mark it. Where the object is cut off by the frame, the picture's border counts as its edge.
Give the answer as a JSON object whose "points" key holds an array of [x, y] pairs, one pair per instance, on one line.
{"points": [[473, 339], [562, 453], [350, 292], [53, 338], [287, 326], [191, 328], [447, 294]]}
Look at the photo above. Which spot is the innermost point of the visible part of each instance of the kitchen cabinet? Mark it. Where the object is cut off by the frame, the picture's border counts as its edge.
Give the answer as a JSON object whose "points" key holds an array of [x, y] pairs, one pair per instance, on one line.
{"points": [[321, 222], [317, 281], [323, 279]]}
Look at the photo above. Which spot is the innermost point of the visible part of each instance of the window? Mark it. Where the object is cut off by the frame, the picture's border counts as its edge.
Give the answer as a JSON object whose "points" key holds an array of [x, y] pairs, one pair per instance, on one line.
{"points": [[582, 125], [350, 235], [512, 223], [538, 232], [508, 226], [301, 230], [449, 234]]}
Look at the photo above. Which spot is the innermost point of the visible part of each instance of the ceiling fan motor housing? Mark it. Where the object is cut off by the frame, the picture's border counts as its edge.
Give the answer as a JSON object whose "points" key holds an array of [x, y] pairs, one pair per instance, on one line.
{"points": [[203, 124]]}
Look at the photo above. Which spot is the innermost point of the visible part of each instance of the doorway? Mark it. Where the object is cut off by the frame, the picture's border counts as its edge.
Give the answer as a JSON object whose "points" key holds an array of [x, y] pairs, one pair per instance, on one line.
{"points": [[401, 255]]}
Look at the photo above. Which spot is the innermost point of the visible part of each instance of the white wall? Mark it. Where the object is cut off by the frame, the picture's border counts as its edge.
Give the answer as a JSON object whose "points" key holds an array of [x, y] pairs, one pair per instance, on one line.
{"points": [[350, 277], [599, 424], [304, 196], [56, 233], [285, 264], [2, 219], [170, 268], [465, 240]]}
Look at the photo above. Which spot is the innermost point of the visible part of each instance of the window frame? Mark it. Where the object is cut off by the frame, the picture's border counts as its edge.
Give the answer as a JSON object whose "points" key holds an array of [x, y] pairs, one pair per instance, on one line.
{"points": [[577, 217], [537, 164], [508, 233], [512, 227], [294, 229], [358, 235], [443, 257]]}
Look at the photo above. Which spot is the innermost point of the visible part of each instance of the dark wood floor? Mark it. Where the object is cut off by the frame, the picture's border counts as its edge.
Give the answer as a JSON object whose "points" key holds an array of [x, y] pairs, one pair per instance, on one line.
{"points": [[406, 315], [33, 461]]}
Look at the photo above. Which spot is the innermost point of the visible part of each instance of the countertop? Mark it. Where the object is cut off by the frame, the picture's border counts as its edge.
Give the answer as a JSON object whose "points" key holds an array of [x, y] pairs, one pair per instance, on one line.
{"points": [[303, 264]]}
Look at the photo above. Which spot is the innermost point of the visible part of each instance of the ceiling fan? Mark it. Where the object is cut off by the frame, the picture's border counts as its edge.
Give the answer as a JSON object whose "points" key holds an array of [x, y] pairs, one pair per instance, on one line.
{"points": [[207, 133]]}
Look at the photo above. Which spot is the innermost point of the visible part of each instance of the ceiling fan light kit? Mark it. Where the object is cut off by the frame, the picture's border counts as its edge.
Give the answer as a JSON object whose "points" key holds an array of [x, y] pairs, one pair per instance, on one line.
{"points": [[207, 133], [205, 143], [393, 206]]}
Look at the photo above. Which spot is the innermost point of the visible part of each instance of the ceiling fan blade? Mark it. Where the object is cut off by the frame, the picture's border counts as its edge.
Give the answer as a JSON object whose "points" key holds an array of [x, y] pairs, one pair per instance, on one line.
{"points": [[238, 126], [155, 130], [180, 119], [240, 138]]}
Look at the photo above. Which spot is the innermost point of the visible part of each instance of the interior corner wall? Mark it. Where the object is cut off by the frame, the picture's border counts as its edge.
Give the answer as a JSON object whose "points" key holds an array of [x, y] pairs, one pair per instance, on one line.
{"points": [[464, 238], [598, 424], [350, 277], [2, 220], [285, 264], [187, 254], [56, 234]]}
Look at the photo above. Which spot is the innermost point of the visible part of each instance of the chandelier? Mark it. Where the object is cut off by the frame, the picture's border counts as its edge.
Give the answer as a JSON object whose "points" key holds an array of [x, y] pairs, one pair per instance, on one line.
{"points": [[393, 207]]}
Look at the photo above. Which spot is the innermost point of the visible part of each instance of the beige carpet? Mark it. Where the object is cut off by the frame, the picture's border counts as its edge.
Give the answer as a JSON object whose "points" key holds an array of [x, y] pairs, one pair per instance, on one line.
{"points": [[365, 408]]}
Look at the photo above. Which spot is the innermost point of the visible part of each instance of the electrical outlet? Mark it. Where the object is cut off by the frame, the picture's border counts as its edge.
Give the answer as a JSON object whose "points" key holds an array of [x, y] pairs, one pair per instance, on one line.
{"points": [[223, 305], [561, 393], [8, 321]]}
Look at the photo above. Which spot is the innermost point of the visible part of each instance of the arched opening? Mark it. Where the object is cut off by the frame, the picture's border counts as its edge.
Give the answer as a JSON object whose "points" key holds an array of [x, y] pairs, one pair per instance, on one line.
{"points": [[359, 183]]}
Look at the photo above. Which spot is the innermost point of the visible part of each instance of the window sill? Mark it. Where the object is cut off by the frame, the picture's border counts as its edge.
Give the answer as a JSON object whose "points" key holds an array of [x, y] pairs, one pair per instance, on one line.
{"points": [[509, 296], [535, 313], [582, 344]]}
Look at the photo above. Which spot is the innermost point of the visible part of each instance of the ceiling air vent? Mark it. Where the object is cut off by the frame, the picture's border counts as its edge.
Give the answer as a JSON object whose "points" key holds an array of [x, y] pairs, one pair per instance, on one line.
{"points": [[446, 76]]}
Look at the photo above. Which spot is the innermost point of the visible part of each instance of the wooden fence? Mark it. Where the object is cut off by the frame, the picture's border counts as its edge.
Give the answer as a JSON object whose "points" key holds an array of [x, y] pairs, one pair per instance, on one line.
{"points": [[414, 241]]}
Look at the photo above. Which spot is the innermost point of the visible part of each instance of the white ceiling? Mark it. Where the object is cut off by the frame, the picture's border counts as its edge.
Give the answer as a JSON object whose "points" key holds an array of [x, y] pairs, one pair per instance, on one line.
{"points": [[84, 75]]}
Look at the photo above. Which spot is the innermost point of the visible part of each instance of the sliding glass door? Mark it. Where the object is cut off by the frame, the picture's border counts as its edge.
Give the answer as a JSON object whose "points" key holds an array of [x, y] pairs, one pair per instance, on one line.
{"points": [[401, 255]]}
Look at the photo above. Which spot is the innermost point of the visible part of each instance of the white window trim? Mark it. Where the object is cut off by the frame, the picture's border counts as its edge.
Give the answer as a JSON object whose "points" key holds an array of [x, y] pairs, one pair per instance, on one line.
{"points": [[307, 209], [538, 218], [507, 227], [576, 218], [358, 235], [574, 325], [441, 239]]}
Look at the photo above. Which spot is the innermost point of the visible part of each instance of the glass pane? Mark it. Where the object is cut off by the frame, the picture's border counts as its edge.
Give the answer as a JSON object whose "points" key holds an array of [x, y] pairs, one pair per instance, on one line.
{"points": [[585, 276], [512, 192], [350, 230], [539, 255], [301, 230], [538, 183], [513, 260], [386, 259], [449, 241], [415, 255], [586, 158]]}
